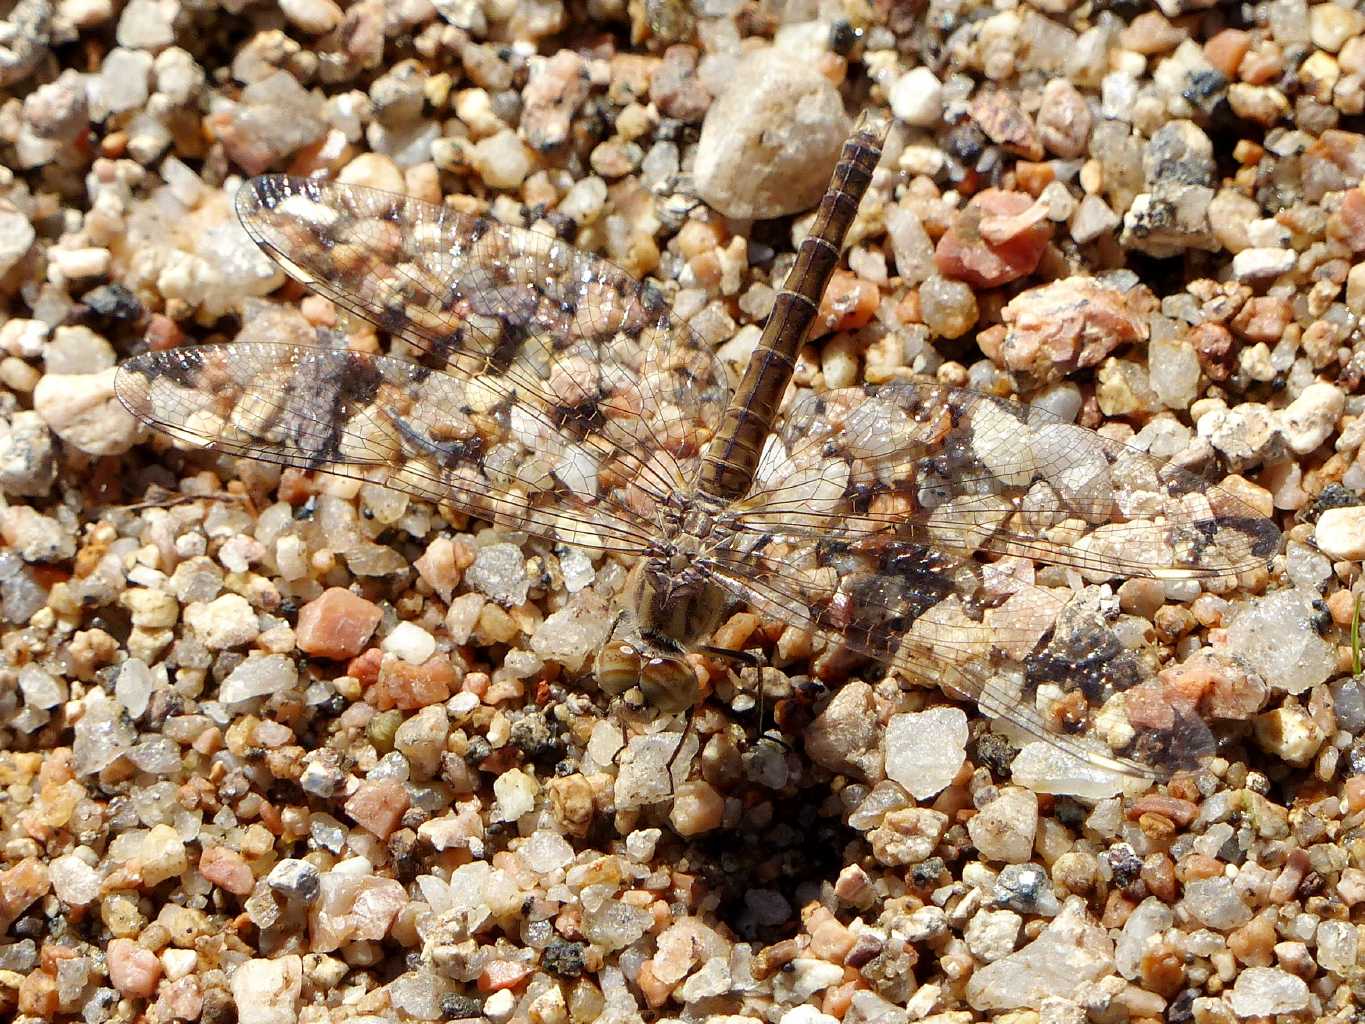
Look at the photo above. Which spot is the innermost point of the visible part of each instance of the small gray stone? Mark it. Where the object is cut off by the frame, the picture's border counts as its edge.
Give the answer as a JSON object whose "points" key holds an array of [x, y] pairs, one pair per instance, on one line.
{"points": [[28, 463], [1214, 903], [148, 24], [499, 571], [1027, 889], [25, 32], [295, 879], [916, 98], [123, 83]]}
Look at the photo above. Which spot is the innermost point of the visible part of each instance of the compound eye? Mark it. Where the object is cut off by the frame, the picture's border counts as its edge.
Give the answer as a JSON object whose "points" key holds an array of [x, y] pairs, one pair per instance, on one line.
{"points": [[669, 685], [618, 668]]}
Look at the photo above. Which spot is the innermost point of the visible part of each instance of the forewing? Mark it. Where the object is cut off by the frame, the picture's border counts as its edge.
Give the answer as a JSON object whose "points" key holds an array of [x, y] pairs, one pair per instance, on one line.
{"points": [[976, 474], [383, 420], [524, 368]]}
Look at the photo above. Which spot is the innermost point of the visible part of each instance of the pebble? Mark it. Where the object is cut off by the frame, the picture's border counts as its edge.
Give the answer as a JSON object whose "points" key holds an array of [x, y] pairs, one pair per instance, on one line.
{"points": [[374, 170], [1312, 417], [916, 98], [275, 117], [315, 17], [1067, 954], [378, 805], [516, 794], [1262, 264], [74, 881], [84, 412], [1290, 734], [410, 642], [843, 737], [295, 880], [910, 245], [133, 970], [268, 991], [1266, 992], [123, 83], [20, 337], [1340, 533], [499, 572], [1215, 903], [502, 160], [1074, 322], [1064, 119], [996, 239], [1091, 219], [697, 808], [1173, 371], [16, 236], [1025, 888], [948, 307], [926, 750], [77, 349], [1004, 829], [991, 934], [336, 625], [227, 869], [770, 140], [555, 89], [227, 621], [257, 676], [28, 462], [148, 24], [1275, 636]]}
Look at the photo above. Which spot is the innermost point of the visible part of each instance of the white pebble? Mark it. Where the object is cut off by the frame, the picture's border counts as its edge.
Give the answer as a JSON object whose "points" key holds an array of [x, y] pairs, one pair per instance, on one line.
{"points": [[925, 751], [410, 642], [1310, 419], [1340, 533], [267, 991], [23, 338], [1262, 264], [83, 411], [516, 793], [917, 98], [313, 16]]}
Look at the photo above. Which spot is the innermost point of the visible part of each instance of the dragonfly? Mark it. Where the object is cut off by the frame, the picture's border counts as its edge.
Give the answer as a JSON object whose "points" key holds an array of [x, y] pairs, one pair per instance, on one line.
{"points": [[540, 388]]}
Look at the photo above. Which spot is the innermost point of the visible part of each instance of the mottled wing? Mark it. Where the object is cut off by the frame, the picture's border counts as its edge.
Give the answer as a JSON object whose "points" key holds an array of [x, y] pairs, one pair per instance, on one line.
{"points": [[905, 521], [977, 474], [383, 420], [526, 371], [1048, 662]]}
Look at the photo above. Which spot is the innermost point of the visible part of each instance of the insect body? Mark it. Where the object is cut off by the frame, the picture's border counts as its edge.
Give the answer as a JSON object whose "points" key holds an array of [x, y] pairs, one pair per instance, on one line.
{"points": [[539, 388]]}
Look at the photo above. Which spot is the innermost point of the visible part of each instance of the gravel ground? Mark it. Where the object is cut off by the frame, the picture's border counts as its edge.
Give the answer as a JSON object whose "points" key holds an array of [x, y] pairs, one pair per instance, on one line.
{"points": [[282, 748]]}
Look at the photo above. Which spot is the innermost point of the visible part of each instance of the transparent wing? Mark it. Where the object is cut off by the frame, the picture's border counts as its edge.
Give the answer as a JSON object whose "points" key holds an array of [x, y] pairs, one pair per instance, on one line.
{"points": [[387, 421], [972, 473], [525, 370], [905, 521], [1047, 661]]}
